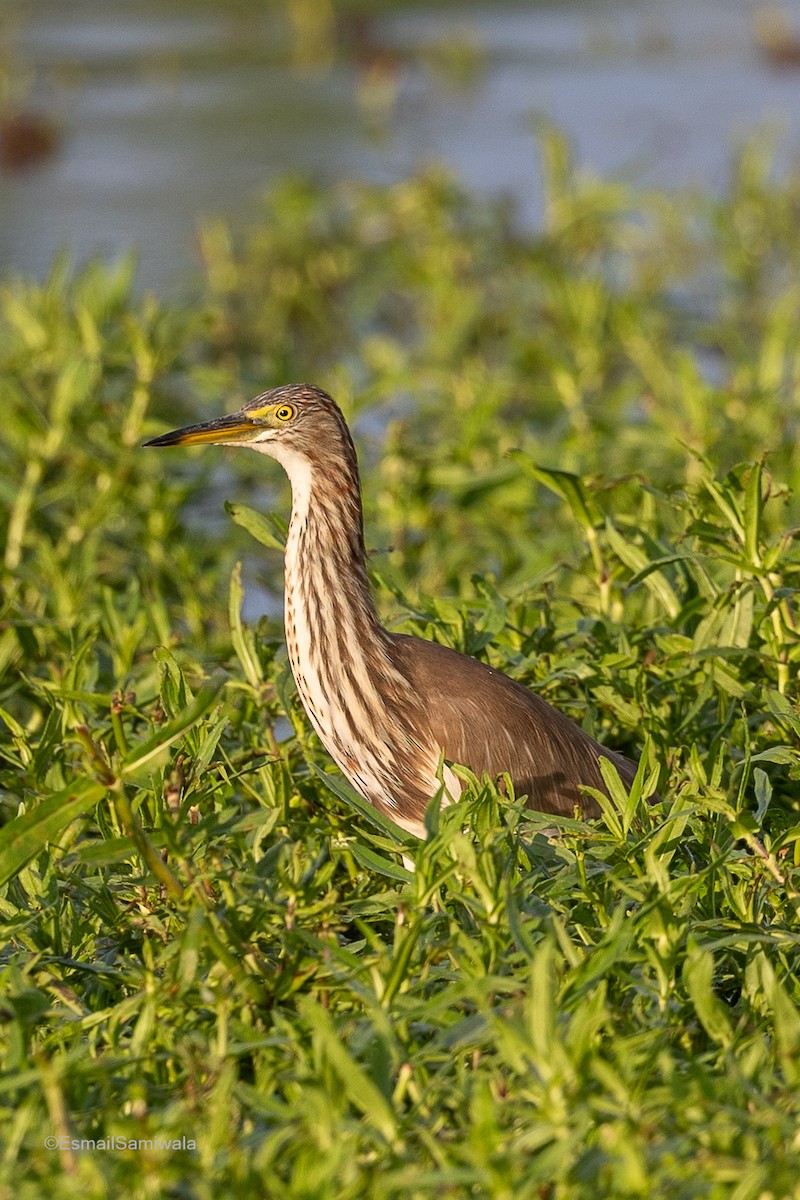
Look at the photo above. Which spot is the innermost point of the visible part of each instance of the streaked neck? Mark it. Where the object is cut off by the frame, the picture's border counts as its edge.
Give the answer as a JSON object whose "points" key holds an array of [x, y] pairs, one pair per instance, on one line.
{"points": [[325, 558], [357, 699], [337, 647]]}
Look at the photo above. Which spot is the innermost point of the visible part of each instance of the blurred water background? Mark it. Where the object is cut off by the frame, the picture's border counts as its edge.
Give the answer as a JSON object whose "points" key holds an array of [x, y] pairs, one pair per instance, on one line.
{"points": [[125, 124]]}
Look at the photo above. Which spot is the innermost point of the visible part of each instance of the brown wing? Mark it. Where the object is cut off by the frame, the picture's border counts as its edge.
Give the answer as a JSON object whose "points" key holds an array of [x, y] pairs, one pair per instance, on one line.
{"points": [[492, 724]]}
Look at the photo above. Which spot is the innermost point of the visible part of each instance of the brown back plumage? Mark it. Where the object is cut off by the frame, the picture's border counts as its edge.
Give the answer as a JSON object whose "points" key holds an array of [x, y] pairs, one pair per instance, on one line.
{"points": [[492, 725]]}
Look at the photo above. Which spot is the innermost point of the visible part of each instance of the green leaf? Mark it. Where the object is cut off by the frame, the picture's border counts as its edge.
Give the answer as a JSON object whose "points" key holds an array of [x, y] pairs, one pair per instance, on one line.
{"points": [[342, 789], [784, 755], [728, 505], [264, 527], [738, 624], [572, 489], [725, 678], [753, 508], [377, 863], [357, 1086], [173, 691], [787, 1030], [698, 976], [763, 790], [644, 570], [26, 836], [144, 754], [626, 801], [242, 638], [210, 742], [784, 710]]}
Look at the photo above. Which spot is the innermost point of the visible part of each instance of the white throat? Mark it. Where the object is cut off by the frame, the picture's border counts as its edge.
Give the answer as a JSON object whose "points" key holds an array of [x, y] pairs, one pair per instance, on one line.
{"points": [[301, 477]]}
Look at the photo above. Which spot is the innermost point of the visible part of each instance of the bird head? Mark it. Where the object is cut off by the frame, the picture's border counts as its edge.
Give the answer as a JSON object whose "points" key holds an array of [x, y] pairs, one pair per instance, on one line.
{"points": [[284, 422]]}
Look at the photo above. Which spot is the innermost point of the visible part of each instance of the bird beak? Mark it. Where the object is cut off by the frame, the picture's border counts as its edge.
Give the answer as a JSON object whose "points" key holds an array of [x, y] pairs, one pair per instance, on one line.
{"points": [[222, 431]]}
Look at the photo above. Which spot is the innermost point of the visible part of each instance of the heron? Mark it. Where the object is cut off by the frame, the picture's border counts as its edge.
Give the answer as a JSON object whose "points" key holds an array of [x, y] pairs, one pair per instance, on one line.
{"points": [[393, 711]]}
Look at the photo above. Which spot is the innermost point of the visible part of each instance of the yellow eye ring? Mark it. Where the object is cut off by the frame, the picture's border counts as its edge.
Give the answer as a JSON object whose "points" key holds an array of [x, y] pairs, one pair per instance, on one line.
{"points": [[284, 412]]}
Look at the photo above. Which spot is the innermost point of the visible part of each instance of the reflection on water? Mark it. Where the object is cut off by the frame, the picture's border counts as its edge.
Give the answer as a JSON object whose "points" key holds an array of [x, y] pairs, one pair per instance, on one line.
{"points": [[168, 114]]}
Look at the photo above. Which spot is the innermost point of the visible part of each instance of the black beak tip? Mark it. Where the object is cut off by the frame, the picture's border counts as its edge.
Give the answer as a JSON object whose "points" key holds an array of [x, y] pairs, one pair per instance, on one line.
{"points": [[166, 439]]}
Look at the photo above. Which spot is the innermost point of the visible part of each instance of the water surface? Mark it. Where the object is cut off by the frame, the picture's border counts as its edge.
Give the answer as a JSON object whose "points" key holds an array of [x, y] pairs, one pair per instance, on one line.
{"points": [[170, 113]]}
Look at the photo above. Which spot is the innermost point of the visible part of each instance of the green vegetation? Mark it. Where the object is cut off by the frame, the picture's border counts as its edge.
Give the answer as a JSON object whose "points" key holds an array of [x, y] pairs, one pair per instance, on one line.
{"points": [[579, 452]]}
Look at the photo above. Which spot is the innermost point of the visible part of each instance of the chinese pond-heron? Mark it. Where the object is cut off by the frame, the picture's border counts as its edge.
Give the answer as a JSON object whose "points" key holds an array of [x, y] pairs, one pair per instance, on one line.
{"points": [[387, 706]]}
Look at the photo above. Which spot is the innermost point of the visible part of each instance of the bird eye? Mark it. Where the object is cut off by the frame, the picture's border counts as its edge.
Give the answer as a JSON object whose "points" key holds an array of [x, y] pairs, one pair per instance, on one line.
{"points": [[285, 412]]}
